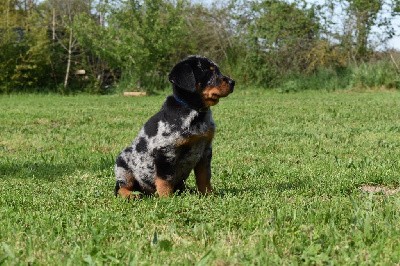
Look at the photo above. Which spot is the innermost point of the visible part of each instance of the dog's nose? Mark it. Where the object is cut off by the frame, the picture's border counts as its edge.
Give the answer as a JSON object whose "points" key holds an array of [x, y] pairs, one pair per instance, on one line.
{"points": [[231, 83]]}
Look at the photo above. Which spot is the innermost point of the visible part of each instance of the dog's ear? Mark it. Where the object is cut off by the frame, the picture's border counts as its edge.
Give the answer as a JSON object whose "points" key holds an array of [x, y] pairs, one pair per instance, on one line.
{"points": [[182, 76]]}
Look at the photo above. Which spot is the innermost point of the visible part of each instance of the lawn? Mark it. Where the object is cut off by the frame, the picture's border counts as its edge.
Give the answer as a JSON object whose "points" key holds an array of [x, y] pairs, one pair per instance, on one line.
{"points": [[288, 170]]}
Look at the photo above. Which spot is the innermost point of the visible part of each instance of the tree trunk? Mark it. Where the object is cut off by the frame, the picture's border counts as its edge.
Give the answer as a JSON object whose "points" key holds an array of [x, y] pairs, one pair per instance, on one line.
{"points": [[362, 36], [54, 24], [7, 15], [69, 60]]}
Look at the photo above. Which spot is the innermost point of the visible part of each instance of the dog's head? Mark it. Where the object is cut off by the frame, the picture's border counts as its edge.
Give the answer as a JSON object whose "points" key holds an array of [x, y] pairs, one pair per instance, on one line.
{"points": [[199, 76]]}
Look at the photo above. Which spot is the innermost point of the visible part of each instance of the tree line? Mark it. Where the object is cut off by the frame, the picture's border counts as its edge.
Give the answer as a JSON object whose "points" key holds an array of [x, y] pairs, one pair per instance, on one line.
{"points": [[99, 46]]}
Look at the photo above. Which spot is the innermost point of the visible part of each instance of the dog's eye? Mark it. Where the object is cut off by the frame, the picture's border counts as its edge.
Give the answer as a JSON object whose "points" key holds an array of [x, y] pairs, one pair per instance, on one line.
{"points": [[212, 68]]}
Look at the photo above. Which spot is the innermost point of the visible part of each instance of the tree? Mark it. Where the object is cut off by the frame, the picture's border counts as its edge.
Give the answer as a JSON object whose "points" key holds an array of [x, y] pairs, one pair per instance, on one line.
{"points": [[8, 18], [63, 17], [279, 38], [365, 13], [358, 18], [141, 38], [33, 66], [24, 46]]}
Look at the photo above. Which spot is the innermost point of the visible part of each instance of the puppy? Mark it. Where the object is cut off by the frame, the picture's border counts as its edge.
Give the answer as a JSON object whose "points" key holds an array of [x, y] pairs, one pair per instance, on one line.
{"points": [[178, 138]]}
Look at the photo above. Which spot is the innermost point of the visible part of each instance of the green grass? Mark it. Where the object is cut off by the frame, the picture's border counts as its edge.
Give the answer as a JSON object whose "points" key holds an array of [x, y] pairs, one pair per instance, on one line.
{"points": [[287, 170]]}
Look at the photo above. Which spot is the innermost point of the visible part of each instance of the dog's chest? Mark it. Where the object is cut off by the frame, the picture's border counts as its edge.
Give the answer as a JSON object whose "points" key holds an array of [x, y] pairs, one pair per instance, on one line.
{"points": [[189, 152], [192, 143]]}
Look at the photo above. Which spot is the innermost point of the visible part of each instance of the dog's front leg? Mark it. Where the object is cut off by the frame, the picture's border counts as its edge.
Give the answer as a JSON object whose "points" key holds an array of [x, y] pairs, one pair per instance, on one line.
{"points": [[165, 171], [202, 172], [164, 187]]}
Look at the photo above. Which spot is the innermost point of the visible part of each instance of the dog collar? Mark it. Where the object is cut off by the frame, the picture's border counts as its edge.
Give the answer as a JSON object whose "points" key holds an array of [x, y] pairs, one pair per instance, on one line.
{"points": [[185, 104]]}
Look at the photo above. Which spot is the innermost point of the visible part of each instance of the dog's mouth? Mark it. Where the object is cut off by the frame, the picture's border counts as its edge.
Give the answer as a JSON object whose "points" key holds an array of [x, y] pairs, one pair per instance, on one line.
{"points": [[211, 101], [213, 98], [212, 95]]}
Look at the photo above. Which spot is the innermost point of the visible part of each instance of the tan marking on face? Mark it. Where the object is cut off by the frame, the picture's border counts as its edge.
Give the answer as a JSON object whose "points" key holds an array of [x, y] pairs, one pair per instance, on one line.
{"points": [[211, 94]]}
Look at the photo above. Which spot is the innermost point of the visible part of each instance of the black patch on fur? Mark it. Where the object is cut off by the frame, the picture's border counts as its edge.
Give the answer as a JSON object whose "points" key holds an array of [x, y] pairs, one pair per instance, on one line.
{"points": [[164, 166], [149, 183], [166, 134], [137, 187], [151, 127], [199, 118], [173, 113], [122, 163], [184, 150], [142, 145]]}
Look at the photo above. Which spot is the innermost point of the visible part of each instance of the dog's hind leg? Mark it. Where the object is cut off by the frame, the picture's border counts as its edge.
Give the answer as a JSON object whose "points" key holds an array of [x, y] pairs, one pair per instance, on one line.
{"points": [[124, 188], [125, 181]]}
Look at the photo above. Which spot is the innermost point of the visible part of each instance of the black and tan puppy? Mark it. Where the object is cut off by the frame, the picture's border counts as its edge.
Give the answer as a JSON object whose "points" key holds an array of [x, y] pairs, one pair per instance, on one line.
{"points": [[178, 138]]}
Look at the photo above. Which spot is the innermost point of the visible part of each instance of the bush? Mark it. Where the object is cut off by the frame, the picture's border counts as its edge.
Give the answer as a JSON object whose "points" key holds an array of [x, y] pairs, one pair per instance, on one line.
{"points": [[371, 75], [322, 79], [375, 75]]}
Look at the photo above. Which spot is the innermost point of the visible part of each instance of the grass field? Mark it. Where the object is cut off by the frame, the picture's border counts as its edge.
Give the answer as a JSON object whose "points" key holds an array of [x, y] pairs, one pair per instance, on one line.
{"points": [[287, 169]]}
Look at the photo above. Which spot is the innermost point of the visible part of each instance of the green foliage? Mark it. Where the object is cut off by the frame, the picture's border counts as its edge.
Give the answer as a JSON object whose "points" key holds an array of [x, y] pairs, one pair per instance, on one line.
{"points": [[381, 74], [9, 51], [287, 169], [359, 18], [322, 79], [365, 12], [142, 39], [396, 6], [33, 68], [27, 52], [9, 45], [279, 45]]}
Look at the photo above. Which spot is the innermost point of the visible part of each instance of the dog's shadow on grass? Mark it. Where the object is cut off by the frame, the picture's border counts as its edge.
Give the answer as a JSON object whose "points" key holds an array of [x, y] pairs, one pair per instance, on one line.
{"points": [[53, 170], [41, 170]]}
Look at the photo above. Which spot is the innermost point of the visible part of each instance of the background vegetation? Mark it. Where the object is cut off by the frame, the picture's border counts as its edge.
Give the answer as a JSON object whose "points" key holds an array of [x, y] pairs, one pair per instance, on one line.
{"points": [[99, 46]]}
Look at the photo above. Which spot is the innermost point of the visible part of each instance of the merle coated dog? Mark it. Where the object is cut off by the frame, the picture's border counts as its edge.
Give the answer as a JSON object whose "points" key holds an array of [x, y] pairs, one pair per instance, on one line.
{"points": [[178, 138]]}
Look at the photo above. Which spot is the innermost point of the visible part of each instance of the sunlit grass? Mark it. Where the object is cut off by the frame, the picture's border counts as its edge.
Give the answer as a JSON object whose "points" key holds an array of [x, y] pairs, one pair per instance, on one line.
{"points": [[287, 169]]}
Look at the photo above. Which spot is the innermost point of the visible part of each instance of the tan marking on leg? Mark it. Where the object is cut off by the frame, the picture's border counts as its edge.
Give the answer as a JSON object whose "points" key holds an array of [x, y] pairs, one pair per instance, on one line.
{"points": [[163, 187], [126, 191]]}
